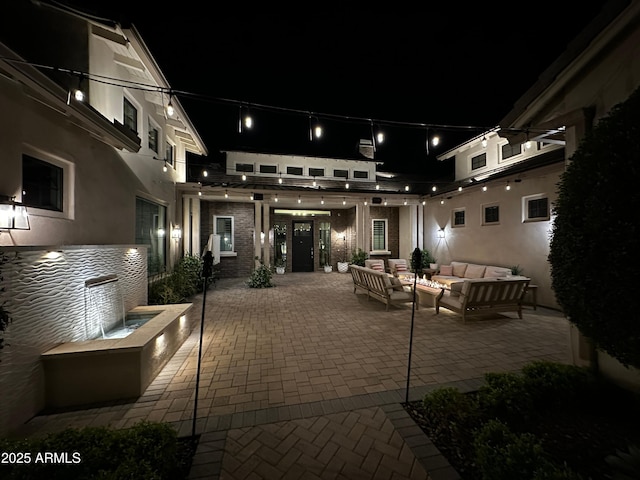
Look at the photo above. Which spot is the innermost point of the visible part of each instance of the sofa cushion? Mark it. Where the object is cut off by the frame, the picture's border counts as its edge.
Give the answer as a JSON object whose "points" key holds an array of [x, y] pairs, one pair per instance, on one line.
{"points": [[474, 271], [455, 288], [495, 272], [446, 270], [458, 269]]}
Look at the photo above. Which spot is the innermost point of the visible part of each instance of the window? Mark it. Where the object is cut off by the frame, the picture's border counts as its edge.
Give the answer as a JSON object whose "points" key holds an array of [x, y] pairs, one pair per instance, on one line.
{"points": [[223, 226], [509, 150], [360, 174], [458, 217], [341, 173], [170, 155], [535, 208], [491, 214], [244, 167], [316, 172], [153, 137], [151, 230], [479, 161], [42, 184], [379, 235], [294, 170], [268, 169], [130, 115]]}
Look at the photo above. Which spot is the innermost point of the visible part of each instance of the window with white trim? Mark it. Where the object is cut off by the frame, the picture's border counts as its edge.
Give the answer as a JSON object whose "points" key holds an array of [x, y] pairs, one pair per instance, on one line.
{"points": [[170, 155], [129, 115], [535, 208], [490, 214], [380, 235], [42, 184], [511, 150], [153, 135], [223, 226], [458, 217]]}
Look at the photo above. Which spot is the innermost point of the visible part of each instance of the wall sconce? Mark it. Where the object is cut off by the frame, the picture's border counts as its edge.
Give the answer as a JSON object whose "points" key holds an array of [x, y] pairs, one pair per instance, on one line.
{"points": [[13, 215], [176, 233], [441, 233]]}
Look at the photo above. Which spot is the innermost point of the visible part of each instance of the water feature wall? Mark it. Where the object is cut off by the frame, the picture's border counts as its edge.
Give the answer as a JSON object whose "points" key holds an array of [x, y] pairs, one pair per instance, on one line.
{"points": [[104, 306], [45, 291]]}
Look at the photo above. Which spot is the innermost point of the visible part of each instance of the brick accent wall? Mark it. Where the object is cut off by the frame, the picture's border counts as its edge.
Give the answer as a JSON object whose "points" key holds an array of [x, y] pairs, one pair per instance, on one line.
{"points": [[243, 220], [392, 214]]}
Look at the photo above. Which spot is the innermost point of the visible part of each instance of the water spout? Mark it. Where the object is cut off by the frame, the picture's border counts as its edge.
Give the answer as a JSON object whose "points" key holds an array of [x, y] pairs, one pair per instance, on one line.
{"points": [[104, 305]]}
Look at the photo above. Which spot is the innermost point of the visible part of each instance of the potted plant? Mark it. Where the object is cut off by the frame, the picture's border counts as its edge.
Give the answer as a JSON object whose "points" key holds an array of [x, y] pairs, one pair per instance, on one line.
{"points": [[358, 257], [328, 268], [280, 266], [343, 266]]}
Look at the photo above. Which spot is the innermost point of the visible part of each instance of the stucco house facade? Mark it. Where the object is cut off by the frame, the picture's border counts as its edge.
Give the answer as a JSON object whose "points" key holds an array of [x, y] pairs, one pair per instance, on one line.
{"points": [[499, 210], [96, 176]]}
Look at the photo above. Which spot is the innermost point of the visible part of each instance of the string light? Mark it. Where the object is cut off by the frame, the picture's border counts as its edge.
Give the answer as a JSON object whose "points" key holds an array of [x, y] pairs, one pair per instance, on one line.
{"points": [[280, 178], [276, 198], [321, 200], [344, 201], [247, 121], [508, 187], [299, 199], [226, 194]]}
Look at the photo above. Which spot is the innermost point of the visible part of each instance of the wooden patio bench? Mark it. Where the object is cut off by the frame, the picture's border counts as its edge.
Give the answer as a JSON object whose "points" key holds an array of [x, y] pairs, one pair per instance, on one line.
{"points": [[378, 285], [482, 296]]}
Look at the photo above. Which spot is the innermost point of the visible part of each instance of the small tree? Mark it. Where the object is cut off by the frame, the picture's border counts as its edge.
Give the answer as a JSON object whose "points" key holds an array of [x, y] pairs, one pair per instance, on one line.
{"points": [[594, 245]]}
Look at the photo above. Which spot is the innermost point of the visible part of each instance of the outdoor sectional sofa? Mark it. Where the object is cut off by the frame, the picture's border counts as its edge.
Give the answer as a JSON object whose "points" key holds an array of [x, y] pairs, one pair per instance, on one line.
{"points": [[473, 289]]}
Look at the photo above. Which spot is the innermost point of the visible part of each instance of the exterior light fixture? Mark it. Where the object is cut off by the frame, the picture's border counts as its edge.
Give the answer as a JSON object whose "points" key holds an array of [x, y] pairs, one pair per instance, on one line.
{"points": [[442, 201], [346, 185], [276, 198], [176, 233], [460, 188], [299, 199], [13, 215], [484, 188], [406, 188], [344, 201], [385, 201], [226, 194], [377, 186], [205, 173], [507, 187], [280, 178], [170, 109], [484, 141], [434, 188], [321, 200], [441, 233], [244, 177]]}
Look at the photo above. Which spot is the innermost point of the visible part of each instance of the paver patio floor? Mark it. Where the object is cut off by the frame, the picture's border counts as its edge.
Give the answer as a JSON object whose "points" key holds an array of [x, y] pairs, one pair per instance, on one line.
{"points": [[296, 379]]}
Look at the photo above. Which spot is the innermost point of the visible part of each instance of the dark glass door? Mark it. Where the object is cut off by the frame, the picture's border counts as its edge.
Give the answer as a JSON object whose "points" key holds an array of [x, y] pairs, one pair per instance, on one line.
{"points": [[302, 258]]}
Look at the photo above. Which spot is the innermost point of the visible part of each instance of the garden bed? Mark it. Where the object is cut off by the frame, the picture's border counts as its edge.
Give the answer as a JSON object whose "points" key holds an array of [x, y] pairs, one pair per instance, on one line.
{"points": [[551, 418]]}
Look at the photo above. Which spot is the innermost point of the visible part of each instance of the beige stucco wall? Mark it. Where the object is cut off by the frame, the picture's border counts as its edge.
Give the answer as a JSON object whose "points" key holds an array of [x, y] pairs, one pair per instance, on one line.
{"points": [[511, 242]]}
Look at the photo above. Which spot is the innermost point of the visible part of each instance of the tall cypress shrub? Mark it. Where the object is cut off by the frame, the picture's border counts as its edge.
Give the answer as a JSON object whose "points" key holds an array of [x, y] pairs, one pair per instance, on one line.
{"points": [[595, 265]]}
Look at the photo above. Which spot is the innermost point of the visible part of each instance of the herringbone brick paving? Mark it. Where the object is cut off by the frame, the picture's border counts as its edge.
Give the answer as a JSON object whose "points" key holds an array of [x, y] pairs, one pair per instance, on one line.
{"points": [[297, 365]]}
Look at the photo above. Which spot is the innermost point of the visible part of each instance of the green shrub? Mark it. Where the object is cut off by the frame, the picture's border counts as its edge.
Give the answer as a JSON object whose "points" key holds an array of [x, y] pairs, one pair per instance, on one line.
{"points": [[358, 257], [147, 450], [594, 227], [506, 396], [501, 454], [180, 285], [261, 277]]}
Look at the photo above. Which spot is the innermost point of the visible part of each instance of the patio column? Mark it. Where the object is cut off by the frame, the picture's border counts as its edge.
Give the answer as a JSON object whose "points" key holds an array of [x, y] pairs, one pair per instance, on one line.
{"points": [[362, 227], [257, 225], [266, 249], [191, 225]]}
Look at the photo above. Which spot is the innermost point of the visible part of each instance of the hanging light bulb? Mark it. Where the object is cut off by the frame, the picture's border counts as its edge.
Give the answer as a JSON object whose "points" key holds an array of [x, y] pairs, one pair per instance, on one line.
{"points": [[205, 173], [377, 186], [380, 137], [280, 178], [344, 201], [346, 185], [406, 188], [424, 202], [244, 177], [299, 199], [321, 200], [484, 188], [365, 202], [200, 193], [276, 199], [318, 131], [314, 182], [164, 167], [460, 188], [226, 194], [442, 201], [434, 188], [385, 201], [405, 201], [508, 187], [435, 141], [251, 196], [78, 94], [170, 109]]}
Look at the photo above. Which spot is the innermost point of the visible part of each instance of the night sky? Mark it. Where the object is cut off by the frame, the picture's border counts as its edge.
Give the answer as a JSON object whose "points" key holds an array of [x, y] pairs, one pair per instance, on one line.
{"points": [[452, 64]]}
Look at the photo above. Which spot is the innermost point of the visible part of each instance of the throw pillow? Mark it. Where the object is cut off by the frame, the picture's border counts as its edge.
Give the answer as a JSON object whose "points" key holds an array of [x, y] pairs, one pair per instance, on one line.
{"points": [[446, 270], [377, 266]]}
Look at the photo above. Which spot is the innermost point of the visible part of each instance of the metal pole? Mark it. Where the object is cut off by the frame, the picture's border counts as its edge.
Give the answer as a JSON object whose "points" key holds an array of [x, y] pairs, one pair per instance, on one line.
{"points": [[417, 257], [207, 270]]}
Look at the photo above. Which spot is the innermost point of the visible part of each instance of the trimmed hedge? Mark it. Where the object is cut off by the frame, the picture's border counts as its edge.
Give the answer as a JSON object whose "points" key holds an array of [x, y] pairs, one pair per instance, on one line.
{"points": [[594, 249], [148, 450]]}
